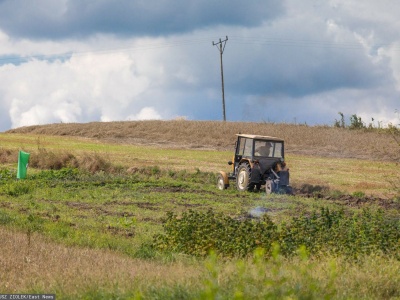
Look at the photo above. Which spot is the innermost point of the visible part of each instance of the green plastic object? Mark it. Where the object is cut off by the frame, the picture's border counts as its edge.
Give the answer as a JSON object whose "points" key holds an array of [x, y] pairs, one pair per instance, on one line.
{"points": [[23, 159]]}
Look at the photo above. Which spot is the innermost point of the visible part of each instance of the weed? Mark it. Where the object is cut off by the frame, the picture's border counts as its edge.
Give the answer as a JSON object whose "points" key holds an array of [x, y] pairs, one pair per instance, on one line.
{"points": [[358, 194], [16, 188], [145, 251], [155, 170], [5, 218]]}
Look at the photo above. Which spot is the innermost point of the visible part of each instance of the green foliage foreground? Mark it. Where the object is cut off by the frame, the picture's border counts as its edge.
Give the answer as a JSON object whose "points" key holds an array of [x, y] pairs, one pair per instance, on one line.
{"points": [[296, 250], [321, 233]]}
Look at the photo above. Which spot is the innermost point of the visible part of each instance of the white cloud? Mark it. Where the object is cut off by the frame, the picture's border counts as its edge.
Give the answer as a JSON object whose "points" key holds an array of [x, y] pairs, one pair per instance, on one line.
{"points": [[99, 86], [146, 113], [393, 53]]}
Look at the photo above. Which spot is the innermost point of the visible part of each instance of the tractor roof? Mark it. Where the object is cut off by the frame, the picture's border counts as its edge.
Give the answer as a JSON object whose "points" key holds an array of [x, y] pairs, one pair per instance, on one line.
{"points": [[260, 137]]}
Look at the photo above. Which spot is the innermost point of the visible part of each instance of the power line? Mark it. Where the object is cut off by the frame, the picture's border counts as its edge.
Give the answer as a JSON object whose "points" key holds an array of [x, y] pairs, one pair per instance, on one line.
{"points": [[271, 41], [143, 47], [172, 43]]}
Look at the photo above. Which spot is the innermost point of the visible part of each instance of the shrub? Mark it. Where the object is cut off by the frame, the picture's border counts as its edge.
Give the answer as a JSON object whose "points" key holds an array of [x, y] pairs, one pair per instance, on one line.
{"points": [[356, 122], [47, 160], [8, 156], [94, 163], [54, 161], [323, 232], [198, 233]]}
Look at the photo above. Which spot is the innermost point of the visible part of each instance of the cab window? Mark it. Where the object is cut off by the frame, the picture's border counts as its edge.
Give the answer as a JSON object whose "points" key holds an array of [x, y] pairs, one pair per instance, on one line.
{"points": [[268, 149], [245, 146]]}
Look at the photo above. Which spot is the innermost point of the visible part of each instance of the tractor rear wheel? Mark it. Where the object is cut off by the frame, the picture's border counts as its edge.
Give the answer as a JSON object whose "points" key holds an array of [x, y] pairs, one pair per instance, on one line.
{"points": [[221, 183], [243, 178]]}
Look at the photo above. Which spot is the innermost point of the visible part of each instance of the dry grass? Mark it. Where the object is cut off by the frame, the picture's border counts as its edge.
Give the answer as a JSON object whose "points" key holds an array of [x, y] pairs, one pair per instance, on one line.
{"points": [[42, 265], [48, 160], [7, 156], [324, 278], [300, 139], [69, 272]]}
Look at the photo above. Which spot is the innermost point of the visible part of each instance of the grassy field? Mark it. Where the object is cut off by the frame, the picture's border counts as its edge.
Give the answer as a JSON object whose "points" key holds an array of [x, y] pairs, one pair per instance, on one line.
{"points": [[342, 174], [87, 232]]}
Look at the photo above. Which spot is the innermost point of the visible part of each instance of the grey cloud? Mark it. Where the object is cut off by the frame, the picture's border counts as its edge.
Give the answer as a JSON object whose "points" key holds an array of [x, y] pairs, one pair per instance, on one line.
{"points": [[306, 71], [43, 19], [313, 58]]}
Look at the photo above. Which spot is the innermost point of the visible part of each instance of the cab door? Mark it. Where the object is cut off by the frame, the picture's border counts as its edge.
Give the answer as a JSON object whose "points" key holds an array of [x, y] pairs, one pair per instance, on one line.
{"points": [[244, 148]]}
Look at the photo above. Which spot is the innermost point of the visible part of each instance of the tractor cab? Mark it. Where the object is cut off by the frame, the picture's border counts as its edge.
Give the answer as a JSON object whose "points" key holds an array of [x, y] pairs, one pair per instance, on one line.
{"points": [[257, 161]]}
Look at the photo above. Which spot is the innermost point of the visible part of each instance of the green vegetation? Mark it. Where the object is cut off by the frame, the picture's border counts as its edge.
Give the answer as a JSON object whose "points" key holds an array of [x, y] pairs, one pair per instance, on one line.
{"points": [[321, 233], [299, 247], [356, 122], [98, 220]]}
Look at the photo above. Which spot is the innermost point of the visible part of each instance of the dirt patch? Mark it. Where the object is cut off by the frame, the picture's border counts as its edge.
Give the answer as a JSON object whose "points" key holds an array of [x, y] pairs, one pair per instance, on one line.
{"points": [[52, 217], [5, 205], [151, 220], [354, 201], [358, 201], [128, 233], [122, 203], [103, 211], [167, 189], [99, 210], [365, 201], [146, 205], [79, 205], [190, 205]]}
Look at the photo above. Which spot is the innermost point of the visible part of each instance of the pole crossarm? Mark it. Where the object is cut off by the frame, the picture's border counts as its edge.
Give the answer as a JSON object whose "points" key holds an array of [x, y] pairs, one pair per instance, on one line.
{"points": [[222, 44]]}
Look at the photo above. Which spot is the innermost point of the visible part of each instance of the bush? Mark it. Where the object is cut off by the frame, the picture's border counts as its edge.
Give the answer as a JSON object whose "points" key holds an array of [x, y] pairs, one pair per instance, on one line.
{"points": [[54, 161], [198, 233], [323, 232], [8, 156], [47, 160], [356, 122]]}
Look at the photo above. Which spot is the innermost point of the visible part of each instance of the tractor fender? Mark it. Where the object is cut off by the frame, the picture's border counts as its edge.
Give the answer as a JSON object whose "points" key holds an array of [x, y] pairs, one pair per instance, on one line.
{"points": [[225, 176], [247, 161]]}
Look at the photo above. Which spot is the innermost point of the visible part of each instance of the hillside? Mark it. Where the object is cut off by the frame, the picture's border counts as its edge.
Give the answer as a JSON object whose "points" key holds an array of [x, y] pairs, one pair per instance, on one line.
{"points": [[322, 141]]}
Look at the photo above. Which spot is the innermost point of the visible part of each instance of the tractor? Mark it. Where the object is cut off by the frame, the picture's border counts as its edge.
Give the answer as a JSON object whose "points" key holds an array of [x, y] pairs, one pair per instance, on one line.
{"points": [[258, 161]]}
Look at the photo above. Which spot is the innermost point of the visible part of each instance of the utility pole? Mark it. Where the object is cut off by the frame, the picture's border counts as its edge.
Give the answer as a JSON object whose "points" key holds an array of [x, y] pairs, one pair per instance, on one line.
{"points": [[221, 47]]}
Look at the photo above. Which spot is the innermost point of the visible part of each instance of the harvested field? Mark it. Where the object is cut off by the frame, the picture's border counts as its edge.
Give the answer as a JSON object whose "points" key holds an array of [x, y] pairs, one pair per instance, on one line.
{"points": [[323, 141]]}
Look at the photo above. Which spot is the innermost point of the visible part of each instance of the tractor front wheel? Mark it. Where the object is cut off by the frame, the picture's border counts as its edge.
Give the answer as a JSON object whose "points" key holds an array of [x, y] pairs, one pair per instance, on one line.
{"points": [[243, 178], [221, 183]]}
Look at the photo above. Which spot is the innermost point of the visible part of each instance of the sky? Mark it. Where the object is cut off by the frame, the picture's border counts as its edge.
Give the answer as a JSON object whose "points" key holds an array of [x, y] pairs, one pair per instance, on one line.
{"points": [[303, 62]]}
